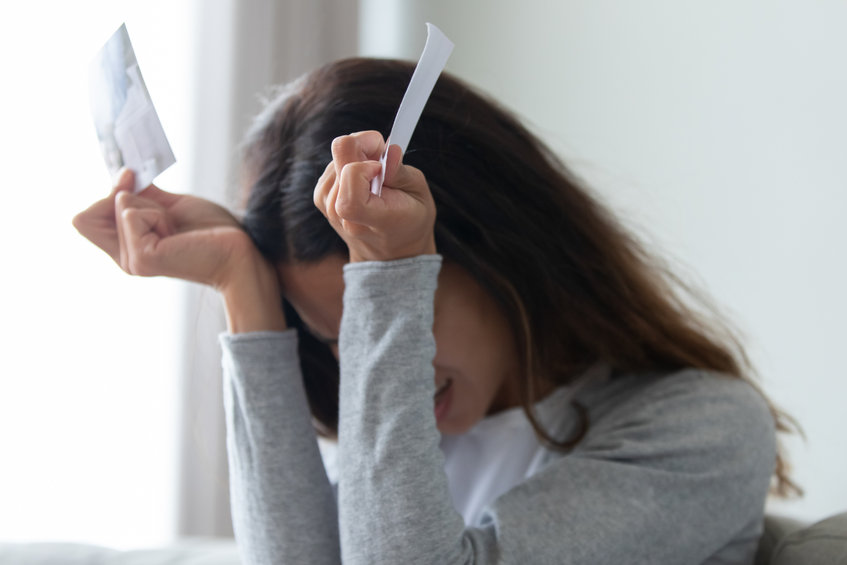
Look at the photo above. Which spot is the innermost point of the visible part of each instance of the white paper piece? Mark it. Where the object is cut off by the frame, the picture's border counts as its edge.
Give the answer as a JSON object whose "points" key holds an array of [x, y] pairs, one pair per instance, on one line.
{"points": [[435, 54], [128, 127]]}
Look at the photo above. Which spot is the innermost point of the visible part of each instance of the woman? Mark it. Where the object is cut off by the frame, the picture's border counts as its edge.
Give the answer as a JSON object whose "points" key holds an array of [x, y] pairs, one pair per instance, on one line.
{"points": [[540, 394]]}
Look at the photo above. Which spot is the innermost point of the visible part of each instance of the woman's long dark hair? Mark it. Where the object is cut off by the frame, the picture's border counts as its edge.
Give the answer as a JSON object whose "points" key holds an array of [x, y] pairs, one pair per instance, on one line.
{"points": [[575, 287]]}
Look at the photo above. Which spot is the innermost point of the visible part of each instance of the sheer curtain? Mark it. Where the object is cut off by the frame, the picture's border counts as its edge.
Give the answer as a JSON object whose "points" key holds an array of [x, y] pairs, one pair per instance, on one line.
{"points": [[111, 430], [242, 49]]}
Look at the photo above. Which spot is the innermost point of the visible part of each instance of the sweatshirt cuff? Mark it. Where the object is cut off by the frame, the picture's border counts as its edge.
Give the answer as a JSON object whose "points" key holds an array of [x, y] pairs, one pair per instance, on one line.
{"points": [[380, 279], [267, 349]]}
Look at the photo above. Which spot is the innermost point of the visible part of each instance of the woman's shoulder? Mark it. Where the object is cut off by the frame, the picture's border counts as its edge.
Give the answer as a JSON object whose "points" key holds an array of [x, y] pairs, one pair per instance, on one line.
{"points": [[693, 412], [674, 467], [698, 389]]}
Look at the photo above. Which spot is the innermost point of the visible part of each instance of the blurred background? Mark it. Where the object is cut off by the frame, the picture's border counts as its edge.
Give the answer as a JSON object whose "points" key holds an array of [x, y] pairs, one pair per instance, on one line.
{"points": [[717, 130]]}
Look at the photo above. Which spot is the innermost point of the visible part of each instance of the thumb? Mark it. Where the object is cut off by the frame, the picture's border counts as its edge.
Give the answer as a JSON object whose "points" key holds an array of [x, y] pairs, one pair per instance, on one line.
{"points": [[402, 177], [124, 180], [394, 174]]}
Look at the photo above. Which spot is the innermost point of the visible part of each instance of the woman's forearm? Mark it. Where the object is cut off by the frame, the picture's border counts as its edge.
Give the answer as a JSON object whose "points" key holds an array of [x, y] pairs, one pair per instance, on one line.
{"points": [[283, 506], [252, 299]]}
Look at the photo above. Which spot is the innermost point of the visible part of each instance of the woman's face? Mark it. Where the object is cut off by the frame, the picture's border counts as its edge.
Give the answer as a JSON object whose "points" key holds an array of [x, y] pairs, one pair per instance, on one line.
{"points": [[476, 361]]}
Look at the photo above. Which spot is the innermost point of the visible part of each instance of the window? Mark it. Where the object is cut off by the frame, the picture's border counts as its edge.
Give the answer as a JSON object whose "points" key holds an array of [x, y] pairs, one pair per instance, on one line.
{"points": [[88, 428]]}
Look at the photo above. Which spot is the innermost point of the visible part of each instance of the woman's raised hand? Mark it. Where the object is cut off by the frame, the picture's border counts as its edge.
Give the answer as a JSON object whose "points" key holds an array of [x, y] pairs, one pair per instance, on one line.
{"points": [[396, 225], [159, 233]]}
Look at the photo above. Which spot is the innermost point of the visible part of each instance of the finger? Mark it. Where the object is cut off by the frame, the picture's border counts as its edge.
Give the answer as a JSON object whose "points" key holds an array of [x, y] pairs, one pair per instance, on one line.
{"points": [[360, 146], [143, 228], [103, 210], [328, 203], [393, 161], [97, 224], [124, 201], [122, 204], [323, 186], [125, 180], [353, 199], [159, 196]]}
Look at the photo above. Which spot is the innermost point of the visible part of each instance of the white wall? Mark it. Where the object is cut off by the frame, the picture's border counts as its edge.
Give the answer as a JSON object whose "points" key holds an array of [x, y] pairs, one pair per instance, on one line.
{"points": [[719, 130]]}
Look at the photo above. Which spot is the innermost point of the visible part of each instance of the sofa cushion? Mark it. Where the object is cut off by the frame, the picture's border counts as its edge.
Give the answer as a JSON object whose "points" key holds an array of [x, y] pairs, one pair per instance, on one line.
{"points": [[822, 543], [775, 529], [197, 551]]}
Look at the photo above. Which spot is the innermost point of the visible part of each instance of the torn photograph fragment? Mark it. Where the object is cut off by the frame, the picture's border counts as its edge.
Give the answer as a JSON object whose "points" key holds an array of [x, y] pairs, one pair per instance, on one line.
{"points": [[128, 127]]}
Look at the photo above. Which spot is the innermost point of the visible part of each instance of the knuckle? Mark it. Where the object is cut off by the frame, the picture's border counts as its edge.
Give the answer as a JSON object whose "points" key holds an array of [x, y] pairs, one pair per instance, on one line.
{"points": [[353, 172], [125, 263], [339, 144], [122, 199], [345, 207], [417, 175], [133, 266], [140, 265], [322, 190], [128, 215], [347, 172], [133, 220], [370, 135]]}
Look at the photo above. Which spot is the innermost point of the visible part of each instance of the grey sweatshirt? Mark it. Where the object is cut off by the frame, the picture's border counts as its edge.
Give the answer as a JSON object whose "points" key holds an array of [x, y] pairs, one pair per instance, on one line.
{"points": [[674, 470]]}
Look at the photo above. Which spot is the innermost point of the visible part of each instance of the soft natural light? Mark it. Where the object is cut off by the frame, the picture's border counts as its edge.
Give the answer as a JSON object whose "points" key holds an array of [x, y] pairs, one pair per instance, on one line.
{"points": [[90, 384]]}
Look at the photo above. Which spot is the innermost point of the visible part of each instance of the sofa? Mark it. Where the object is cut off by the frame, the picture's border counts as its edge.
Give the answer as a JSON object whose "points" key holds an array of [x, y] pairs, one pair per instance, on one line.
{"points": [[790, 542], [785, 542]]}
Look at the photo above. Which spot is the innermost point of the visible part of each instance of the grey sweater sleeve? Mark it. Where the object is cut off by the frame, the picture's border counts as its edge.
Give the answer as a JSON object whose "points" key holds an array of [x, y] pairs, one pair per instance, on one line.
{"points": [[674, 471], [283, 506]]}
